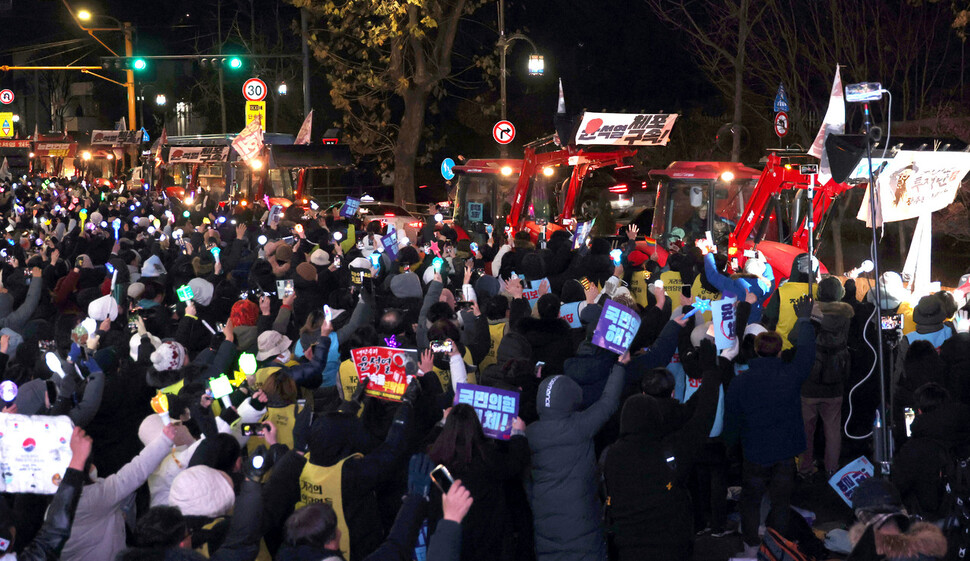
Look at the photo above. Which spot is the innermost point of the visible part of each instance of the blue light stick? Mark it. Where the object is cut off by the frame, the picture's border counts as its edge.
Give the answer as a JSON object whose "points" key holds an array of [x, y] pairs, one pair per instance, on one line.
{"points": [[116, 223], [699, 306]]}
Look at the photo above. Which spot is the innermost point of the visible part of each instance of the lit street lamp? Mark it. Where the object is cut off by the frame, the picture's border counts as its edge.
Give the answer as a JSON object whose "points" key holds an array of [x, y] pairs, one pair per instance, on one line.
{"points": [[280, 91], [160, 99], [127, 29], [536, 63]]}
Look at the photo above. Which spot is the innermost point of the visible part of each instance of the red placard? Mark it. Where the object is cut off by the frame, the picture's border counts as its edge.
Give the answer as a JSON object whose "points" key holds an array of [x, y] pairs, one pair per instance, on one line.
{"points": [[384, 369]]}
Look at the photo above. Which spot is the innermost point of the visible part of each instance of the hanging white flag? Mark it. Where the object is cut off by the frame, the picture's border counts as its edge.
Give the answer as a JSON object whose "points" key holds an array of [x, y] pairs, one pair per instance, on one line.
{"points": [[834, 122], [303, 137]]}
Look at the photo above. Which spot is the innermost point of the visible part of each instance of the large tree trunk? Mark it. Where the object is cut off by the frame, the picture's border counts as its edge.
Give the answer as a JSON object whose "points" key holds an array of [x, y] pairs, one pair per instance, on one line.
{"points": [[408, 141]]}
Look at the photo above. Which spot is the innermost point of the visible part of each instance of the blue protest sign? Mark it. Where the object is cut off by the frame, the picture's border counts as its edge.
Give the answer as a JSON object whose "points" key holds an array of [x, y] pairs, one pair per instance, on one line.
{"points": [[847, 480], [616, 327], [475, 212], [446, 171], [531, 292], [582, 232], [350, 207], [781, 99], [496, 408], [390, 244], [570, 314]]}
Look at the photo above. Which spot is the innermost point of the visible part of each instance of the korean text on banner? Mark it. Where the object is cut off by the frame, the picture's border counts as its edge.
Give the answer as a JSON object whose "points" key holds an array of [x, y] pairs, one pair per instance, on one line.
{"points": [[531, 291], [725, 323], [496, 408], [390, 245], [350, 207], [384, 369], [616, 327], [915, 183], [622, 129], [249, 143], [475, 212], [34, 452], [847, 480]]}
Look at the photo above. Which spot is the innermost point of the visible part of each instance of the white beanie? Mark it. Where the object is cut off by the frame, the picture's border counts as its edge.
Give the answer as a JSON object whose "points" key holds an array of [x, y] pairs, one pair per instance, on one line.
{"points": [[320, 258], [151, 426], [170, 355], [754, 329], [202, 491], [104, 307]]}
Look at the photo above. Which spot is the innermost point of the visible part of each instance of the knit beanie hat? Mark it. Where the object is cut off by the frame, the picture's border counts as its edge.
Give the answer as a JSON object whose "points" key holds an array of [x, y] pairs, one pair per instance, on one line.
{"points": [[244, 312], [487, 286], [170, 355], [204, 264], [406, 285], [572, 291], [202, 491], [320, 258], [135, 290], [307, 272], [830, 289], [201, 291], [283, 253]]}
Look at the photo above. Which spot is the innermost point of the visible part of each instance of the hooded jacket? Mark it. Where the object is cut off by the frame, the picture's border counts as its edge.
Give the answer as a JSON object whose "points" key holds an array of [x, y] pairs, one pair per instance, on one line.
{"points": [[646, 470], [565, 503], [551, 341], [58, 520]]}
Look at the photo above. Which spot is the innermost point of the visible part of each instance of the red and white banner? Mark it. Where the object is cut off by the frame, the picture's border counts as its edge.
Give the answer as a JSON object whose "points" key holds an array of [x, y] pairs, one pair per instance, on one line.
{"points": [[116, 137], [249, 143], [622, 129], [303, 137], [55, 149], [14, 144], [197, 154], [384, 369], [916, 183]]}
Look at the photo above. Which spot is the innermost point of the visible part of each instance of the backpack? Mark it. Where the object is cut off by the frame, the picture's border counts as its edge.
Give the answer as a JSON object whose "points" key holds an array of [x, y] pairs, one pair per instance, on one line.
{"points": [[956, 506], [774, 547], [831, 356]]}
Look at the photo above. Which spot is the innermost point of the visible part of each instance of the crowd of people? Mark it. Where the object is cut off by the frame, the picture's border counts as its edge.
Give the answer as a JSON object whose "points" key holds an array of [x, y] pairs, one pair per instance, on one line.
{"points": [[622, 456]]}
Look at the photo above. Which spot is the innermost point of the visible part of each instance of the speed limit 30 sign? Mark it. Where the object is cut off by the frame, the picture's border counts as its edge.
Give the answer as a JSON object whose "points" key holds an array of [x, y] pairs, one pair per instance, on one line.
{"points": [[254, 89]]}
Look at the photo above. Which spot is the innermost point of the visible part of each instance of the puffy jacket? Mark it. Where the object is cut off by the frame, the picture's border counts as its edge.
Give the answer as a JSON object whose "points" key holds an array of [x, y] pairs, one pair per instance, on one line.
{"points": [[565, 502], [832, 361]]}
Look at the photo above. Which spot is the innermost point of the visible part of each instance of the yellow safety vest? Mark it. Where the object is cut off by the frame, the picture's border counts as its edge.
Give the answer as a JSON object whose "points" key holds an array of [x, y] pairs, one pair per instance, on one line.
{"points": [[348, 378], [909, 325], [788, 294], [284, 418], [638, 288], [319, 484], [444, 376], [495, 334], [672, 285], [697, 290]]}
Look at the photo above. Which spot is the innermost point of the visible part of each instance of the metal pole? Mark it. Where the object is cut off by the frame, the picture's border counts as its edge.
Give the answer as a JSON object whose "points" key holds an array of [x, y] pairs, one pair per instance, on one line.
{"points": [[305, 37], [882, 440], [503, 49], [129, 77], [222, 100], [810, 218], [141, 105], [276, 112]]}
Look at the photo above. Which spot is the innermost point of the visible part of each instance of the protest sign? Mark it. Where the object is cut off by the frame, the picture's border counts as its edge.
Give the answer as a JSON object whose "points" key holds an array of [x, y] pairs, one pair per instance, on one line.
{"points": [[724, 318], [530, 291], [625, 129], [916, 183], [34, 452], [496, 408], [847, 480], [582, 232], [384, 369], [390, 244], [569, 313], [350, 207], [475, 212], [616, 327]]}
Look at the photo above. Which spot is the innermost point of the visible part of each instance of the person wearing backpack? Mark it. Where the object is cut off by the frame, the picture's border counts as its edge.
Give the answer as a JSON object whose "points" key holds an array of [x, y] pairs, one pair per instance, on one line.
{"points": [[822, 391], [940, 439]]}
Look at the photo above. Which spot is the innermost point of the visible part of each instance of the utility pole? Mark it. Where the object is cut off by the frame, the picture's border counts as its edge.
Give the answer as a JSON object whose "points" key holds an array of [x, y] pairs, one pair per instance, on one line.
{"points": [[129, 76], [305, 37]]}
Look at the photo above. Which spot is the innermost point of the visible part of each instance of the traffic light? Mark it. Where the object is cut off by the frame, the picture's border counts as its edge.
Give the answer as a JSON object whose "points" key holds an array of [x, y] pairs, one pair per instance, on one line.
{"points": [[227, 62], [124, 63]]}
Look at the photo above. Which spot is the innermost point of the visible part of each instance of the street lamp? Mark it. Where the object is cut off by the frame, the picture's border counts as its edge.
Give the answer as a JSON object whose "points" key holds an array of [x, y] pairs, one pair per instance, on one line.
{"points": [[127, 29], [536, 63], [280, 91], [160, 99]]}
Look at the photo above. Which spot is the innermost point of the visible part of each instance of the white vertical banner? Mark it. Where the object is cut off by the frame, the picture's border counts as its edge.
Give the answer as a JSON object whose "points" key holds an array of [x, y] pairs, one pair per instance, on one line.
{"points": [[918, 263], [724, 318], [834, 122]]}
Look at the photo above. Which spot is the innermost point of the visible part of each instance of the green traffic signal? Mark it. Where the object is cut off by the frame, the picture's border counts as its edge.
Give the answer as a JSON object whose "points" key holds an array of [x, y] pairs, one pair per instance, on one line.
{"points": [[139, 64], [235, 63]]}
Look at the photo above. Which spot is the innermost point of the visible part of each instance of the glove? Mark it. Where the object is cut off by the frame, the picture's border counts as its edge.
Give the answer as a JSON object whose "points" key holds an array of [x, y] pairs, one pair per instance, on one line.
{"points": [[707, 355], [803, 307], [301, 430], [75, 353], [411, 394], [419, 475], [257, 465]]}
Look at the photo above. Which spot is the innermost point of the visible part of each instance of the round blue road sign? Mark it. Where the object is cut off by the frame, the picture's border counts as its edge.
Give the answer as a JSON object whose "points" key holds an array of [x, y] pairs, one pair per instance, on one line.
{"points": [[446, 166]]}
